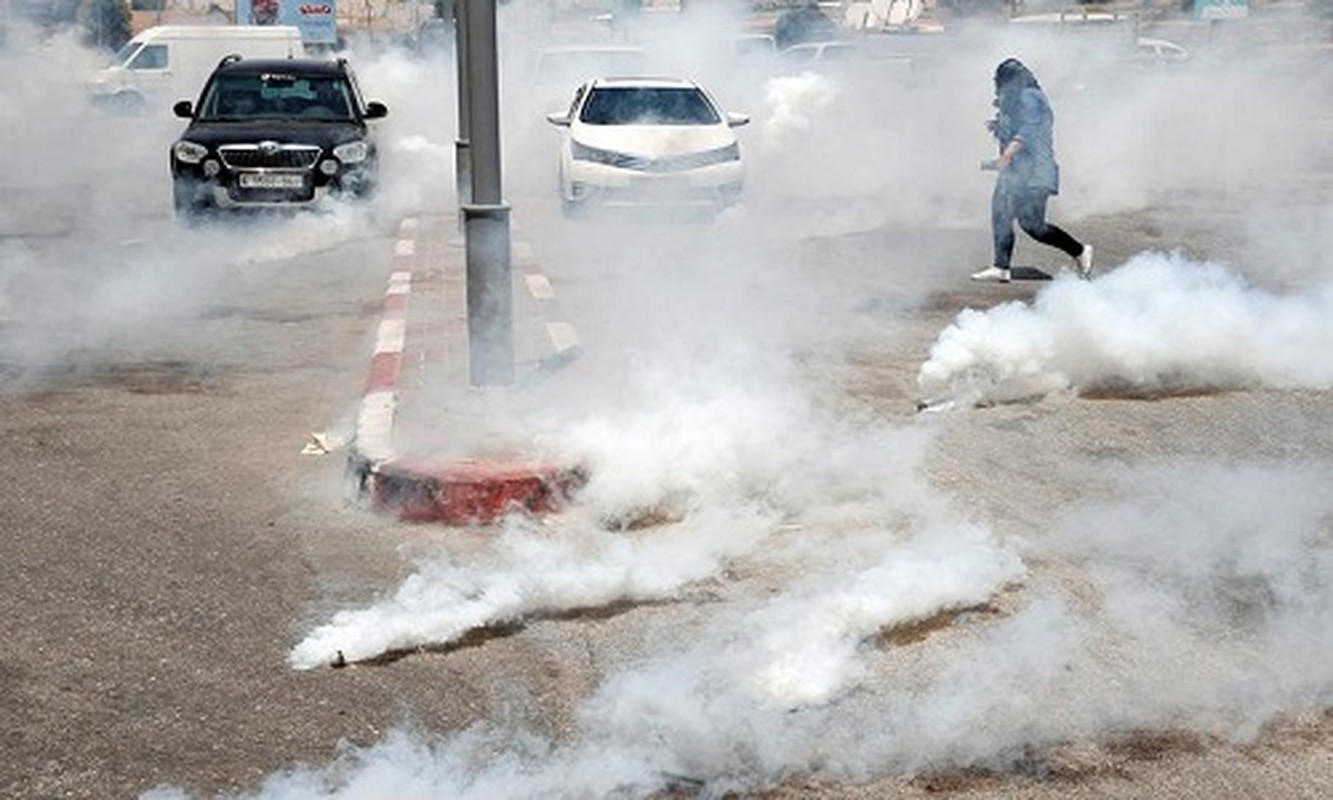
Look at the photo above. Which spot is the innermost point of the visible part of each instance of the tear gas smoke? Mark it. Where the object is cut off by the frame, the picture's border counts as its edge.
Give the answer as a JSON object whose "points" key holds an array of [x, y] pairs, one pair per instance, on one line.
{"points": [[814, 533], [780, 679], [1182, 553], [93, 268], [533, 574], [1158, 324], [715, 465], [891, 553]]}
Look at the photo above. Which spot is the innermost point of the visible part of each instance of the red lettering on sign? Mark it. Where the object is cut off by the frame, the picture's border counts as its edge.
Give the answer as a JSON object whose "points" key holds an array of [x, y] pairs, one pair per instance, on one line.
{"points": [[316, 8]]}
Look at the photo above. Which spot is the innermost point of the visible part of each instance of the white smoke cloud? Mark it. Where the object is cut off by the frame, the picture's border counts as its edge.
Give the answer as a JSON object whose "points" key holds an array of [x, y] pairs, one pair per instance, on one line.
{"points": [[810, 535], [93, 267], [814, 535], [1160, 323], [793, 104], [717, 707], [535, 572], [805, 641], [1214, 581]]}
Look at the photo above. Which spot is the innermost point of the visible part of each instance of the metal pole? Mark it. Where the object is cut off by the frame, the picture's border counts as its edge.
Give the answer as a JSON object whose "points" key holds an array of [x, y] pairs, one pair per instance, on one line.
{"points": [[462, 160], [490, 287], [483, 101]]}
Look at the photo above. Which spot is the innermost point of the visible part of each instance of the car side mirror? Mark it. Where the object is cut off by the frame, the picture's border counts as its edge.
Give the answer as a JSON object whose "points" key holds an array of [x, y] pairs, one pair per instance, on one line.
{"points": [[558, 118], [183, 109], [376, 110], [737, 120]]}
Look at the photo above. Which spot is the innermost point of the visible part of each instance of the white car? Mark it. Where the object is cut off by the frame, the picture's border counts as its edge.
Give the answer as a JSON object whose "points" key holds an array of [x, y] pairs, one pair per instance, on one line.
{"points": [[647, 141], [835, 50], [754, 44], [1151, 52]]}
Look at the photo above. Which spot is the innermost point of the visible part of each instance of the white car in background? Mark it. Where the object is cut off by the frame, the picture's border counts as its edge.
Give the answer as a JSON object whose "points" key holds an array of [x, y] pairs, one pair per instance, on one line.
{"points": [[835, 50], [754, 44], [647, 142], [1150, 52]]}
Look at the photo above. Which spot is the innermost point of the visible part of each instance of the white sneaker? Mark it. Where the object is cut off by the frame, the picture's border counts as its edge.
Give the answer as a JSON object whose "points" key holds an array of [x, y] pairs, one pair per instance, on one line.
{"points": [[1084, 261], [994, 274]]}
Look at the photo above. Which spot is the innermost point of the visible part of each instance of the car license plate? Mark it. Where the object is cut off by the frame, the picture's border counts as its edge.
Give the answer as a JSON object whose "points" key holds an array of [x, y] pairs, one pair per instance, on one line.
{"points": [[657, 186], [271, 180]]}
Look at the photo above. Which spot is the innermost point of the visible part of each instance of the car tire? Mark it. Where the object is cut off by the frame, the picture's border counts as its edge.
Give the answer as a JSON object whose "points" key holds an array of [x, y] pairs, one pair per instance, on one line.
{"points": [[570, 207], [188, 199], [127, 103], [573, 209], [360, 184], [363, 190]]}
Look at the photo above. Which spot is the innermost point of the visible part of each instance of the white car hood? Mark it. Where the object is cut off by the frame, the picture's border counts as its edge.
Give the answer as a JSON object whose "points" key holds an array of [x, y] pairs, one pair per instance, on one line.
{"points": [[110, 77], [653, 140]]}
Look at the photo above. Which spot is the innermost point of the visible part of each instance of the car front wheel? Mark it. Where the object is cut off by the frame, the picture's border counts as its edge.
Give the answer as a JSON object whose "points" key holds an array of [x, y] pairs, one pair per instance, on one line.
{"points": [[573, 209], [190, 200], [127, 103], [570, 206]]}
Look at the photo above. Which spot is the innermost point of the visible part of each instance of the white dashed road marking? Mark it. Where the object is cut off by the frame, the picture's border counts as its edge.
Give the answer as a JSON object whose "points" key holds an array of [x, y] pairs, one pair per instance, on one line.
{"points": [[563, 336], [538, 286]]}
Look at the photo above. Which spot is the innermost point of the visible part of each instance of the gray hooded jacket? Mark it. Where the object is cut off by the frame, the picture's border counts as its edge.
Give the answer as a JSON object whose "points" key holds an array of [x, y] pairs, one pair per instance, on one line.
{"points": [[1026, 115]]}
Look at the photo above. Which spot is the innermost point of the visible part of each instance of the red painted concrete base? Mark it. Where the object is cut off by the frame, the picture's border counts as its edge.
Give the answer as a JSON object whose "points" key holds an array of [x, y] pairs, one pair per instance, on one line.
{"points": [[471, 492]]}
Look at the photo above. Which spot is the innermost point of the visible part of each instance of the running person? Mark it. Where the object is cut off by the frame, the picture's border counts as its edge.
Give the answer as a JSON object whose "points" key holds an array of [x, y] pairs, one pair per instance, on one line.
{"points": [[1028, 174]]}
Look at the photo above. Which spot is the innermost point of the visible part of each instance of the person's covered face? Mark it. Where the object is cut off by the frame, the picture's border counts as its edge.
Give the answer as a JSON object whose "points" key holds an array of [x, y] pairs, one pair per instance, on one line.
{"points": [[1012, 72]]}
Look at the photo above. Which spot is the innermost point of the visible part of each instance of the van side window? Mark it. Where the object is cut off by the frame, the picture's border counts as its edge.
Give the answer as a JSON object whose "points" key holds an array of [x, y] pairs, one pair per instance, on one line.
{"points": [[152, 56], [122, 55]]}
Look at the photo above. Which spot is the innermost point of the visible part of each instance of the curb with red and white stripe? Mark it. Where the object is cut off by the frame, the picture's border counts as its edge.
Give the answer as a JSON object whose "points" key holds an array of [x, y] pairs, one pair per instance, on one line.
{"points": [[470, 491]]}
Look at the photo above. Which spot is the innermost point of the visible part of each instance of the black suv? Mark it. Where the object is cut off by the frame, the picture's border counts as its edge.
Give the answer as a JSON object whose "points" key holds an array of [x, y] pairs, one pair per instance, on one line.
{"points": [[274, 133]]}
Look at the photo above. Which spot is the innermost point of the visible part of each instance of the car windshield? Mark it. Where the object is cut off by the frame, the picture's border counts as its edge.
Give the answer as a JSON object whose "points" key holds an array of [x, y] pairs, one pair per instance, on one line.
{"points": [[277, 96], [648, 105]]}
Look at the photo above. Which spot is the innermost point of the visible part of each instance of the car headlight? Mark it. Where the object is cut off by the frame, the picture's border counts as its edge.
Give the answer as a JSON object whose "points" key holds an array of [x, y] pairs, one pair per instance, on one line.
{"points": [[352, 152], [189, 152], [582, 152], [721, 155]]}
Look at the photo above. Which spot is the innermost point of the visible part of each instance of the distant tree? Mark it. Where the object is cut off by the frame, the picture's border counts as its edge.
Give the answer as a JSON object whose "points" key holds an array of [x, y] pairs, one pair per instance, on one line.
{"points": [[56, 13], [106, 23]]}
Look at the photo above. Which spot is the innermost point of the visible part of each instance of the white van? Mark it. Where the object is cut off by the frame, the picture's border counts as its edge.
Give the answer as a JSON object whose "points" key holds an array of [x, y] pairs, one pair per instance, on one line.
{"points": [[171, 62]]}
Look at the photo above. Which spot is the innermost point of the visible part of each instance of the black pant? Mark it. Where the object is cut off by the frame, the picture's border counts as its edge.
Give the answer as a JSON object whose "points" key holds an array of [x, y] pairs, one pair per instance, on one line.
{"points": [[1028, 208]]}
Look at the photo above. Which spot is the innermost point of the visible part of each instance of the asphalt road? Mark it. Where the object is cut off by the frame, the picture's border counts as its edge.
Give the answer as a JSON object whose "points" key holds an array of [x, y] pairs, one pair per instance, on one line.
{"points": [[165, 541]]}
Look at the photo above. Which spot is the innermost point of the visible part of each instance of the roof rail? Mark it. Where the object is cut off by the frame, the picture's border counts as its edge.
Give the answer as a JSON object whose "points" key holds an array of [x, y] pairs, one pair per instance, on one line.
{"points": [[230, 58]]}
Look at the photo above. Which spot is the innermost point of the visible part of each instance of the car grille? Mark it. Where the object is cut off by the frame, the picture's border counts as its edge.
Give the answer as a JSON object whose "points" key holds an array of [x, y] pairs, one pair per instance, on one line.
{"points": [[667, 164], [662, 164], [288, 156]]}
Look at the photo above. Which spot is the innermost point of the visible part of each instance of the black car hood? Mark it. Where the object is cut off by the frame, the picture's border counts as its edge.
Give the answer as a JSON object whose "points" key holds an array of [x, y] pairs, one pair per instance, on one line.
{"points": [[324, 134]]}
